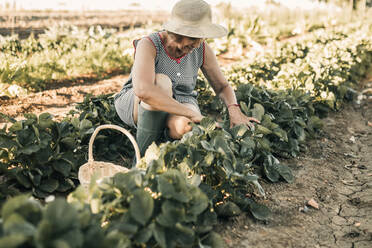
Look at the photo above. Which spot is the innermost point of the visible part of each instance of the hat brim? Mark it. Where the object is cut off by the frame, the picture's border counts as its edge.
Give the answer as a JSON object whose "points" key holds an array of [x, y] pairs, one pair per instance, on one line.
{"points": [[201, 31]]}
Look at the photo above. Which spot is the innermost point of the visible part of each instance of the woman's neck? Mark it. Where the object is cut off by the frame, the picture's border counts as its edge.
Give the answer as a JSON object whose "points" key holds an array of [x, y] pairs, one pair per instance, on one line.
{"points": [[167, 45]]}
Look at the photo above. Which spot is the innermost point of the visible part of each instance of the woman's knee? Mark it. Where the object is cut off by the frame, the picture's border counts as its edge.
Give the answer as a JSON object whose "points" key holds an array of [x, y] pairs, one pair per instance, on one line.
{"points": [[178, 126], [164, 82]]}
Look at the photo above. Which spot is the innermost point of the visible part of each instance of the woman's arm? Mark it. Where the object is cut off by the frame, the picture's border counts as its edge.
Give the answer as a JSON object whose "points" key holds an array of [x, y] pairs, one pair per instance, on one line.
{"points": [[215, 77], [143, 74]]}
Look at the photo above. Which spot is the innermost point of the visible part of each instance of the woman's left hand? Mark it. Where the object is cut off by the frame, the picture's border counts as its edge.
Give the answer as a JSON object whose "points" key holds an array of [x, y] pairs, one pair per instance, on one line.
{"points": [[237, 118]]}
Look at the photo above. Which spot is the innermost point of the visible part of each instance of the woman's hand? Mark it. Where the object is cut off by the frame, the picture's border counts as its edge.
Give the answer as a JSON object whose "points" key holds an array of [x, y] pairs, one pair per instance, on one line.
{"points": [[237, 118], [196, 118]]}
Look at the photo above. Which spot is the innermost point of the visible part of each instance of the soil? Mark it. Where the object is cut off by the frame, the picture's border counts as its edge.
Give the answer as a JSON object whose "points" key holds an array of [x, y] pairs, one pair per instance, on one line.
{"points": [[335, 171], [60, 99]]}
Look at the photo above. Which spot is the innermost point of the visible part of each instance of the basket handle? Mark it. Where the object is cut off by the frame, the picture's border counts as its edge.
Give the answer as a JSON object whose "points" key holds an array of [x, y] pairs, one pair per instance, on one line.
{"points": [[108, 126]]}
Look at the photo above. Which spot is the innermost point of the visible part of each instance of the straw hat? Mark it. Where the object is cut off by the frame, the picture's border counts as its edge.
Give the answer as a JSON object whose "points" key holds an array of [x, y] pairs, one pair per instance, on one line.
{"points": [[193, 18]]}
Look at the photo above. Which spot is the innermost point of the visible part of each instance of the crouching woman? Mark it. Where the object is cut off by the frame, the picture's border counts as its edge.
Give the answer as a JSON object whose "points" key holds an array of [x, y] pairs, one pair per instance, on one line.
{"points": [[159, 93]]}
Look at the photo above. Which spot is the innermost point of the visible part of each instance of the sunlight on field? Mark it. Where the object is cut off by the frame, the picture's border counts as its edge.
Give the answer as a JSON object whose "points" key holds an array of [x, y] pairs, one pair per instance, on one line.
{"points": [[129, 4]]}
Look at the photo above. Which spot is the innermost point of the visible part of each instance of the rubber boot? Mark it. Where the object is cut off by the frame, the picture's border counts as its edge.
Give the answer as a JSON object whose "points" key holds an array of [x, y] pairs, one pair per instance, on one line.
{"points": [[150, 127]]}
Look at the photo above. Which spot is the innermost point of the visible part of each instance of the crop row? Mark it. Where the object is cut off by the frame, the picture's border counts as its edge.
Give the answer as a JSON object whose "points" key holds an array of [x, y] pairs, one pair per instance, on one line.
{"points": [[62, 53], [186, 184]]}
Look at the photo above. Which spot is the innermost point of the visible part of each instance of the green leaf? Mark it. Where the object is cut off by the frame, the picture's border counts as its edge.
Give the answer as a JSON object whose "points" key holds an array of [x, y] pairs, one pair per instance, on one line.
{"points": [[7, 143], [26, 137], [159, 236], [171, 213], [200, 201], [141, 206], [46, 120], [281, 134], [206, 221], [65, 184], [286, 173], [207, 146], [184, 235], [44, 155], [228, 209], [271, 168], [62, 167], [35, 177], [61, 215], [172, 184], [16, 127], [49, 185], [315, 123], [244, 108], [264, 144], [214, 240], [143, 235], [300, 132], [28, 208], [127, 228], [221, 145], [259, 211], [208, 124], [258, 111], [30, 149], [13, 241], [23, 180], [69, 141], [85, 124], [39, 193], [262, 130], [248, 142], [16, 224], [239, 131], [208, 159], [75, 122], [128, 181]]}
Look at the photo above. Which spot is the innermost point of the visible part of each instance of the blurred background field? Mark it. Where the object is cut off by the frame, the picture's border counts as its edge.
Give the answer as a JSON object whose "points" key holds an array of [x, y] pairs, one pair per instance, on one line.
{"points": [[45, 42], [25, 16]]}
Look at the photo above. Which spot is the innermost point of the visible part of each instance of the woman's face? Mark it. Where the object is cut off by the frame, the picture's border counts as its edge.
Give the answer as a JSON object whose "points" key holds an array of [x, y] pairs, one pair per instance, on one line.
{"points": [[182, 45]]}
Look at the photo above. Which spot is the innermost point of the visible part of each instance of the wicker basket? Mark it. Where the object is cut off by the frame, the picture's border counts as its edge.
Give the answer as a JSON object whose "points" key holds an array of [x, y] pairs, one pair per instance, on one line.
{"points": [[103, 169]]}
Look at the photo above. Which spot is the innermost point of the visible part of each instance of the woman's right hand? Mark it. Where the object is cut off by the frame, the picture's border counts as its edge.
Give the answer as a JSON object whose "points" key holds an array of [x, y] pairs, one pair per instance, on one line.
{"points": [[197, 117]]}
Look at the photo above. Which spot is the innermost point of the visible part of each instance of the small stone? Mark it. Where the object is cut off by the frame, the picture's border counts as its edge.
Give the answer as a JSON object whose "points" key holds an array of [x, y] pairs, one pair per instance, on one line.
{"points": [[313, 203], [304, 209], [370, 124], [352, 139], [50, 198], [245, 227], [344, 191], [339, 220], [357, 224]]}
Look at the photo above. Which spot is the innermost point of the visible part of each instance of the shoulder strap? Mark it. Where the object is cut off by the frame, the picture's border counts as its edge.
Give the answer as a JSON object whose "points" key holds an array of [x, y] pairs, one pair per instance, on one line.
{"points": [[154, 38]]}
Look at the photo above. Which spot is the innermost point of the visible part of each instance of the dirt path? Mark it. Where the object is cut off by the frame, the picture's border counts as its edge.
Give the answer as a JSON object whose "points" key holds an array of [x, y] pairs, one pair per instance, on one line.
{"points": [[60, 100], [335, 171]]}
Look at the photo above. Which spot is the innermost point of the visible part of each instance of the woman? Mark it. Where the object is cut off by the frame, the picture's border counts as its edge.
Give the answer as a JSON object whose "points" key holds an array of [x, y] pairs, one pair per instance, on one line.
{"points": [[160, 91]]}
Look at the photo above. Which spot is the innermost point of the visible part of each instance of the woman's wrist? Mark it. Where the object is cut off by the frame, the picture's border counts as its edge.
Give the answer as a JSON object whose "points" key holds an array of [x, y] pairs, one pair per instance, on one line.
{"points": [[233, 108], [235, 105]]}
